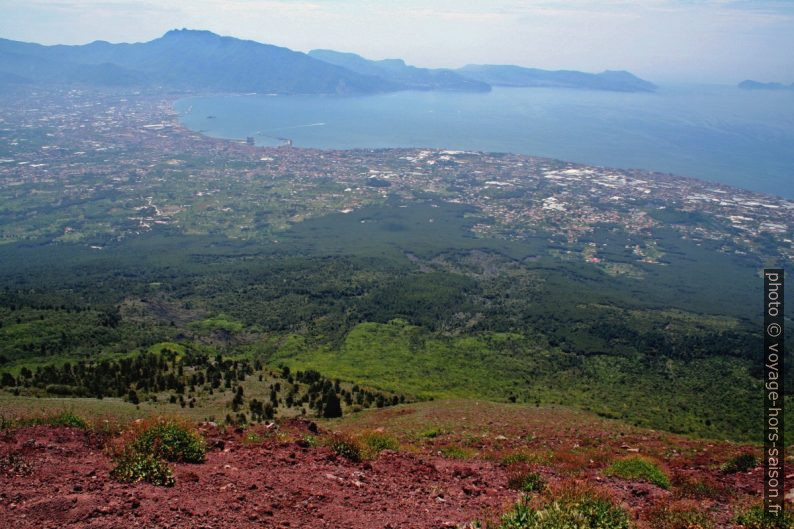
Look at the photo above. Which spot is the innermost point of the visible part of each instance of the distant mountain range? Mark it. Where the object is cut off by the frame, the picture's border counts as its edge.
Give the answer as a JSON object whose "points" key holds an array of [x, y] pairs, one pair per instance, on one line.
{"points": [[749, 84], [184, 60], [508, 75], [396, 71], [190, 60]]}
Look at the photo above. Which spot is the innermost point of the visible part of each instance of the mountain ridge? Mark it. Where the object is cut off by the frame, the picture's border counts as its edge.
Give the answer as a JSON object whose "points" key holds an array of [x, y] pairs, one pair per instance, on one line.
{"points": [[519, 76], [396, 70], [187, 60], [750, 84], [200, 60]]}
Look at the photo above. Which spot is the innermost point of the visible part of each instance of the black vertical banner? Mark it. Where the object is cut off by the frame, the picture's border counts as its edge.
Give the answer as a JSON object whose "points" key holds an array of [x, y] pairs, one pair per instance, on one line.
{"points": [[774, 444]]}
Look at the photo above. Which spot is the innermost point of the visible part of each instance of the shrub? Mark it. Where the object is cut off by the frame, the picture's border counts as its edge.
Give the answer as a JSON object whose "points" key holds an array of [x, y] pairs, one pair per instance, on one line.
{"points": [[697, 488], [512, 459], [170, 440], [139, 452], [346, 447], [582, 511], [753, 518], [687, 515], [639, 468], [377, 442], [454, 452], [740, 463], [252, 438], [432, 433], [570, 462], [538, 458], [526, 482], [67, 418], [64, 418], [134, 466]]}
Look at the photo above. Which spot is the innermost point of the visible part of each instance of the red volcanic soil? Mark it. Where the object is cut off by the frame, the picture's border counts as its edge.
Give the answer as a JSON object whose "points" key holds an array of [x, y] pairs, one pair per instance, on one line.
{"points": [[60, 477], [272, 484]]}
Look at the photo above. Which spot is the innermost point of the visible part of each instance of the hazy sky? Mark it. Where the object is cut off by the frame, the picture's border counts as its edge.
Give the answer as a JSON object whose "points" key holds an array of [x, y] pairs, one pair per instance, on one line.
{"points": [[662, 40]]}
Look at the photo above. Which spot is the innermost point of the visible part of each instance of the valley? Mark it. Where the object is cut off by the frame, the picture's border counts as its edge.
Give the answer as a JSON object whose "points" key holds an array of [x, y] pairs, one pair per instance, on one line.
{"points": [[417, 272]]}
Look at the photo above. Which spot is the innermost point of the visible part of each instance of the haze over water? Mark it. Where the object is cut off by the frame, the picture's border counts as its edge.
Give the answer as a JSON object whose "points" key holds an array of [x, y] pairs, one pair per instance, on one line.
{"points": [[724, 134]]}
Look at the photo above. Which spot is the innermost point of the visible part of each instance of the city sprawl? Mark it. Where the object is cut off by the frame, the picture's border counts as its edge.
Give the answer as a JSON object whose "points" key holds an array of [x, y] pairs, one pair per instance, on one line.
{"points": [[98, 167]]}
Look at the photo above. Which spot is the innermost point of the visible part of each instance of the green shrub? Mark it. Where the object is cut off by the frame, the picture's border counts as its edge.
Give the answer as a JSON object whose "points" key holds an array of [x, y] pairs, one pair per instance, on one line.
{"points": [[679, 518], [518, 457], [584, 512], [171, 441], [697, 489], [64, 418], [538, 458], [140, 451], [740, 463], [378, 442], [134, 466], [432, 433], [347, 448], [753, 518], [454, 452], [639, 468], [67, 418], [252, 438], [526, 482]]}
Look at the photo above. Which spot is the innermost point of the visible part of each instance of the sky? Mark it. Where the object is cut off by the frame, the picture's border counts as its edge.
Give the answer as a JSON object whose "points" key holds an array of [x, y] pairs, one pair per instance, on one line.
{"points": [[699, 41]]}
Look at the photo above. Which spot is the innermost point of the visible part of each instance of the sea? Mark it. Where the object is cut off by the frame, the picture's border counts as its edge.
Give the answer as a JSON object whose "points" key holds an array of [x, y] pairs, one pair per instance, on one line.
{"points": [[744, 138]]}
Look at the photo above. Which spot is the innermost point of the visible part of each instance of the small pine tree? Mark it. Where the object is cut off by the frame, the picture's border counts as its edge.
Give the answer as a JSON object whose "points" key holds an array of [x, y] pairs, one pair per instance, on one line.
{"points": [[333, 407]]}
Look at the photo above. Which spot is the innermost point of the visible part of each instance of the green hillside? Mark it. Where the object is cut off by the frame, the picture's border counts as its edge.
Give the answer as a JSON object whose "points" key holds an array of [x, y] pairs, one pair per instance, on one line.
{"points": [[393, 305]]}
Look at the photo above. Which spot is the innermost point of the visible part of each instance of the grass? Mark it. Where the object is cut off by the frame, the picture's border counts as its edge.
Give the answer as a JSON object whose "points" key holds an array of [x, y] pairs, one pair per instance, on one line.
{"points": [[698, 489], [681, 515], [639, 469], [753, 518], [535, 458], [739, 463], [526, 482], [252, 438], [575, 509], [431, 433], [310, 440], [91, 410], [518, 457], [454, 452], [63, 418], [377, 442]]}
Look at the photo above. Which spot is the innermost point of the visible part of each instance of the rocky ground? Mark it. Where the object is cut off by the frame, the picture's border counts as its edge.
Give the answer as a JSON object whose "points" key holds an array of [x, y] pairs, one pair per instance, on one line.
{"points": [[54, 477], [64, 482]]}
